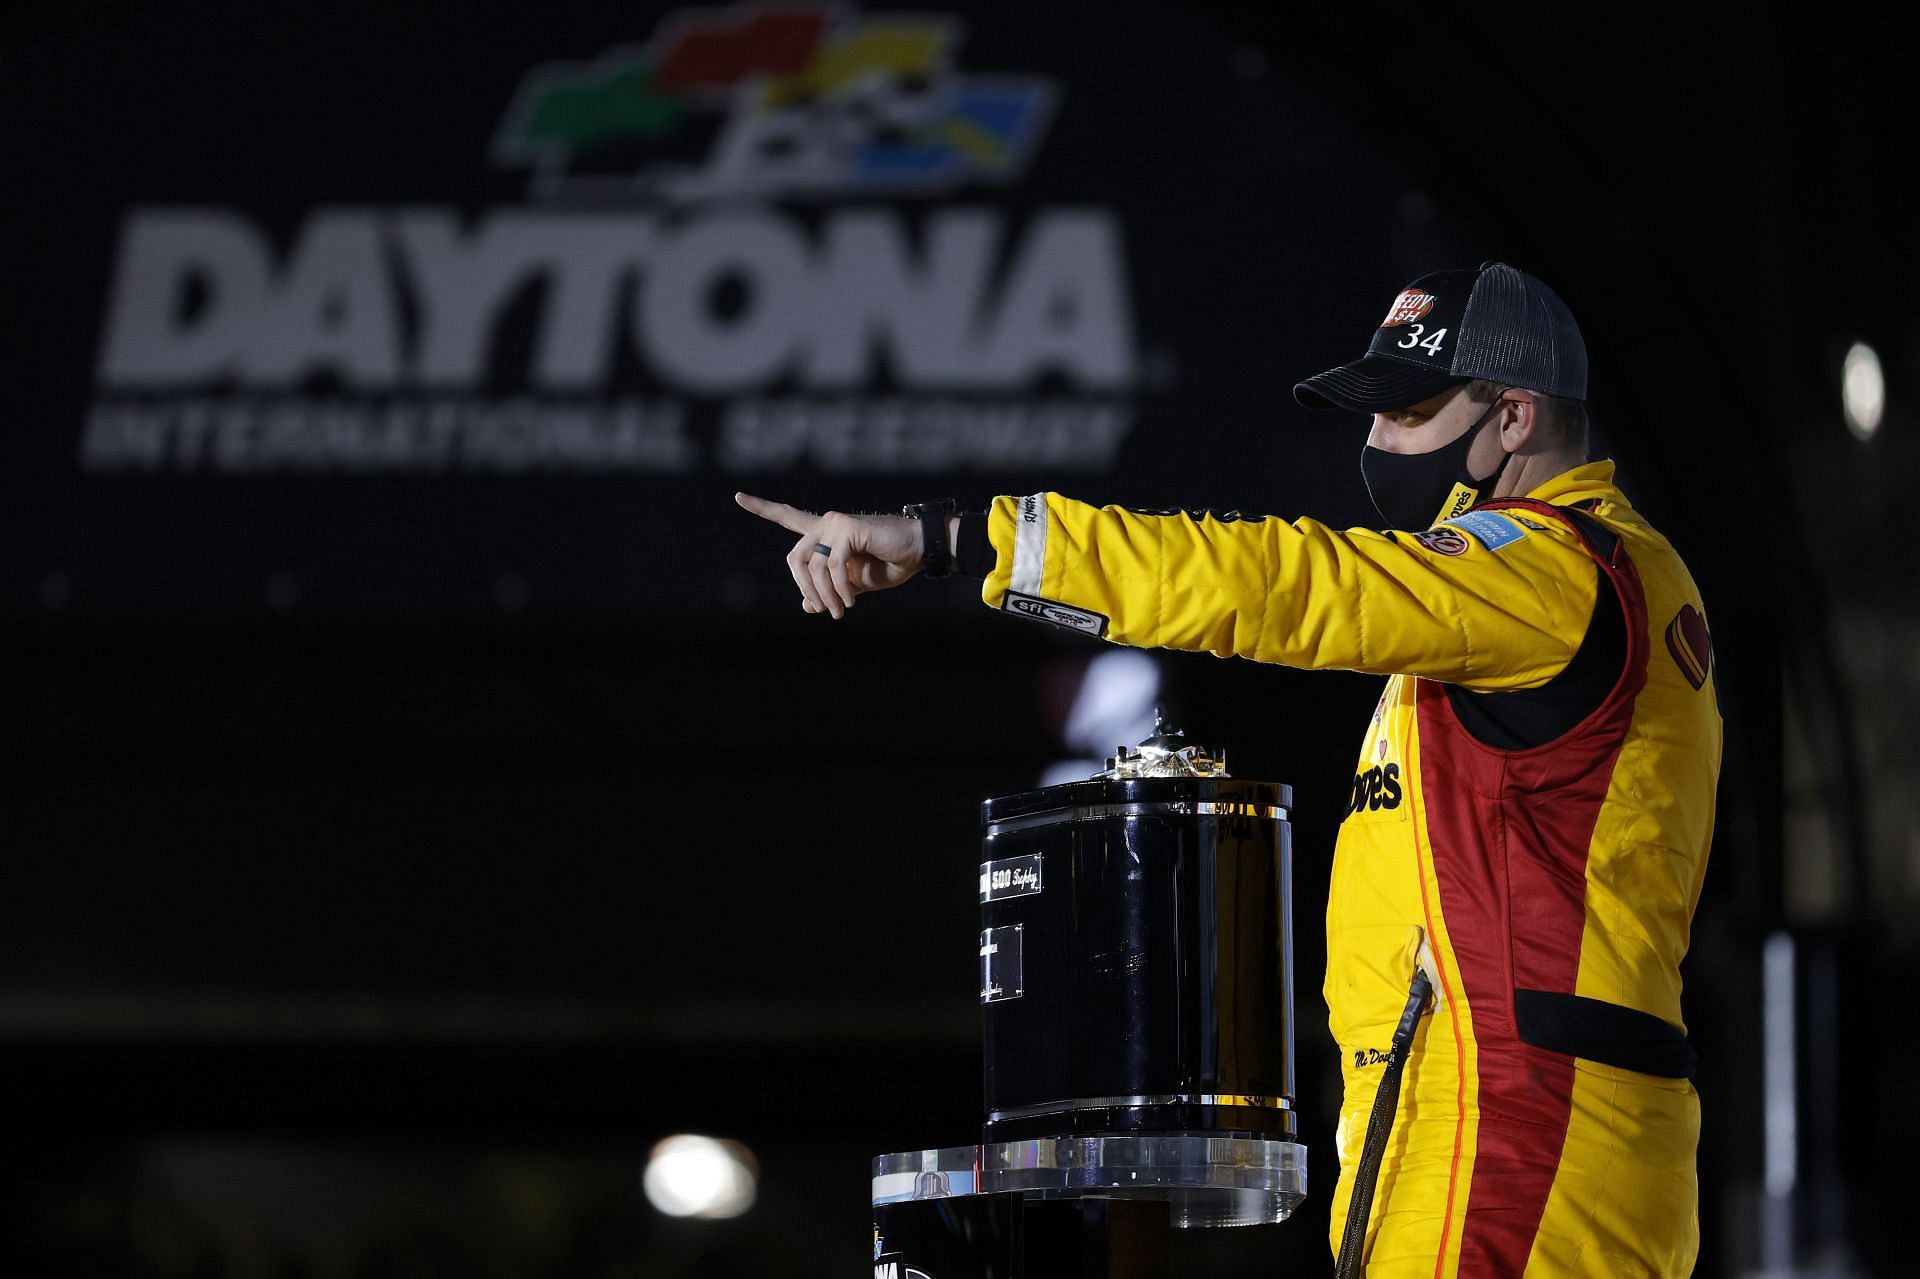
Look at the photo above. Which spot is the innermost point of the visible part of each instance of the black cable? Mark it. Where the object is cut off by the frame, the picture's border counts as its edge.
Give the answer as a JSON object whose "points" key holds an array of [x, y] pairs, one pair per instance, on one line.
{"points": [[1385, 1101]]}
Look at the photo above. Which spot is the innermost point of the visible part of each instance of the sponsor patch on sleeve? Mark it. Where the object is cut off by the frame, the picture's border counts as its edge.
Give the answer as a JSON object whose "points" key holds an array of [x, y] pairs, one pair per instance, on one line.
{"points": [[1442, 541], [1491, 529], [1691, 644], [1083, 620]]}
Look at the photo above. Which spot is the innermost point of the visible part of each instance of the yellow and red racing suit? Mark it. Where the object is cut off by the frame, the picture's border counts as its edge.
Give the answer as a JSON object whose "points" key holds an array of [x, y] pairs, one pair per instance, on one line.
{"points": [[1529, 821]]}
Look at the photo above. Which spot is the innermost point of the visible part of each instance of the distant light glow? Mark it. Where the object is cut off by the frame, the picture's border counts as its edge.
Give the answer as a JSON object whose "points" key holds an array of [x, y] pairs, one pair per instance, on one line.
{"points": [[1780, 1115], [693, 1176], [1113, 708], [1062, 771], [1863, 390], [1115, 705]]}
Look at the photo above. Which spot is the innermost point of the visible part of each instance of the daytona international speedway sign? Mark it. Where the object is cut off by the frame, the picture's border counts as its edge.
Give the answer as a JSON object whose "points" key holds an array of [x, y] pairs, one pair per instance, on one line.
{"points": [[379, 311]]}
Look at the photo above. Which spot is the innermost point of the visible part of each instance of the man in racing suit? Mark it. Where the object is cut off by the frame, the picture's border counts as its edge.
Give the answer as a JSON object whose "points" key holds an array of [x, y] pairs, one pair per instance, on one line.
{"points": [[1533, 800]]}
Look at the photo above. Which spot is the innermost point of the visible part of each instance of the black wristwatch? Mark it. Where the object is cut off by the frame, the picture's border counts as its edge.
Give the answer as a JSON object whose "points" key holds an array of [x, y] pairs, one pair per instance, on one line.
{"points": [[936, 556]]}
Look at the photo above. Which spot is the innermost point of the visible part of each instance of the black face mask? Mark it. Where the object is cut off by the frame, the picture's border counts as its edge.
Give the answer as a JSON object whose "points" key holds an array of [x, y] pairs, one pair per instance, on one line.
{"points": [[1415, 491]]}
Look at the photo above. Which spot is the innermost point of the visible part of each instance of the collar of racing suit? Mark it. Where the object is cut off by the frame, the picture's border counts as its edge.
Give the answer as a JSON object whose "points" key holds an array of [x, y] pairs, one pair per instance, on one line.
{"points": [[1581, 484]]}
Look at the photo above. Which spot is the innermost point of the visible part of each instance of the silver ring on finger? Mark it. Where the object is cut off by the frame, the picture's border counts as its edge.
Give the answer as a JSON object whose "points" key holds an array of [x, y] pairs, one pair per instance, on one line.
{"points": [[821, 548]]}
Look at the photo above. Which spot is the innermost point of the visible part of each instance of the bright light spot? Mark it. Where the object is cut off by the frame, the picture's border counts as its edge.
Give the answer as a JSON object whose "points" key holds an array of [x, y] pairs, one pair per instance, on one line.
{"points": [[689, 1176], [1863, 391]]}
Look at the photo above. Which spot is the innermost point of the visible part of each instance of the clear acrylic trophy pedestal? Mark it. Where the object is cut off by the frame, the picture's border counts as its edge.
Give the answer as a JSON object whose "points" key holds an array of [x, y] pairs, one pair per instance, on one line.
{"points": [[1204, 1180], [1088, 1205]]}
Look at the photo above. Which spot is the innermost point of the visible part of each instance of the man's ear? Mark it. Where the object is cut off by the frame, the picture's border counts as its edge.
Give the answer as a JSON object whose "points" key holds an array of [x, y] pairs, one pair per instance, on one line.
{"points": [[1517, 430]]}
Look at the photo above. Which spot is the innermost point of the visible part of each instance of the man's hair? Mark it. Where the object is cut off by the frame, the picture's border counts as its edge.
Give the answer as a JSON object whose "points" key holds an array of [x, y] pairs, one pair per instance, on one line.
{"points": [[1564, 420]]}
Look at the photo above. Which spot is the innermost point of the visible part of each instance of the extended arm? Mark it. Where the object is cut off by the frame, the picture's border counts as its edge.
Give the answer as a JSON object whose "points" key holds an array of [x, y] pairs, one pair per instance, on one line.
{"points": [[1505, 610]]}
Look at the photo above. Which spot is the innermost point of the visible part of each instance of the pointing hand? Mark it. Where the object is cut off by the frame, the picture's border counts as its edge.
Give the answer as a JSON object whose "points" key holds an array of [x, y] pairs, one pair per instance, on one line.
{"points": [[841, 556]]}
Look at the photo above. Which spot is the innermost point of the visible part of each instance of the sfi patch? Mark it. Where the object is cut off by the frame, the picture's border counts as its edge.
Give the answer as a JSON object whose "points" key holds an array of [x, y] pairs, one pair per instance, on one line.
{"points": [[1084, 620], [1490, 528], [1442, 541]]}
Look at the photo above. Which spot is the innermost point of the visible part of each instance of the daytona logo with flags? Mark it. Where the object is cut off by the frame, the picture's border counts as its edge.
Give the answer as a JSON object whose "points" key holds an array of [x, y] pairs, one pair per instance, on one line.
{"points": [[658, 307]]}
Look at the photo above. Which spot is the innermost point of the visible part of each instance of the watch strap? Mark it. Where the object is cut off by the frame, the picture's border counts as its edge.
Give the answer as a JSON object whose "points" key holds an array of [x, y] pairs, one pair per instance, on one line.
{"points": [[936, 556]]}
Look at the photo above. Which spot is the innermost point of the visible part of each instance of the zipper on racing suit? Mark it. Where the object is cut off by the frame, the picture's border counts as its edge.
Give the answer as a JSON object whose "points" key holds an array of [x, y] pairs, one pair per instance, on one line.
{"points": [[1380, 1123]]}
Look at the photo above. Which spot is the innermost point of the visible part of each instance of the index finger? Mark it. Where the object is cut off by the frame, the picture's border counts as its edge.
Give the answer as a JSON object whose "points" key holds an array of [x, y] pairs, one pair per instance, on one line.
{"points": [[791, 518]]}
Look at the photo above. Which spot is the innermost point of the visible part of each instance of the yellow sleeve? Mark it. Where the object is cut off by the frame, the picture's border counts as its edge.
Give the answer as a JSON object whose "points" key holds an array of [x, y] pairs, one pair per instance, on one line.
{"points": [[1489, 601]]}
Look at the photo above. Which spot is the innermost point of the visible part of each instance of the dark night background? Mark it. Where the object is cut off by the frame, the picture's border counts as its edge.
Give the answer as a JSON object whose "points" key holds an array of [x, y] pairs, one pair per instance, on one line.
{"points": [[393, 859]]}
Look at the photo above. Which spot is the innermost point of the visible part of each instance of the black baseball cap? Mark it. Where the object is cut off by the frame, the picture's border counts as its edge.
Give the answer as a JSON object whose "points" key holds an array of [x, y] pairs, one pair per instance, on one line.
{"points": [[1451, 327]]}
